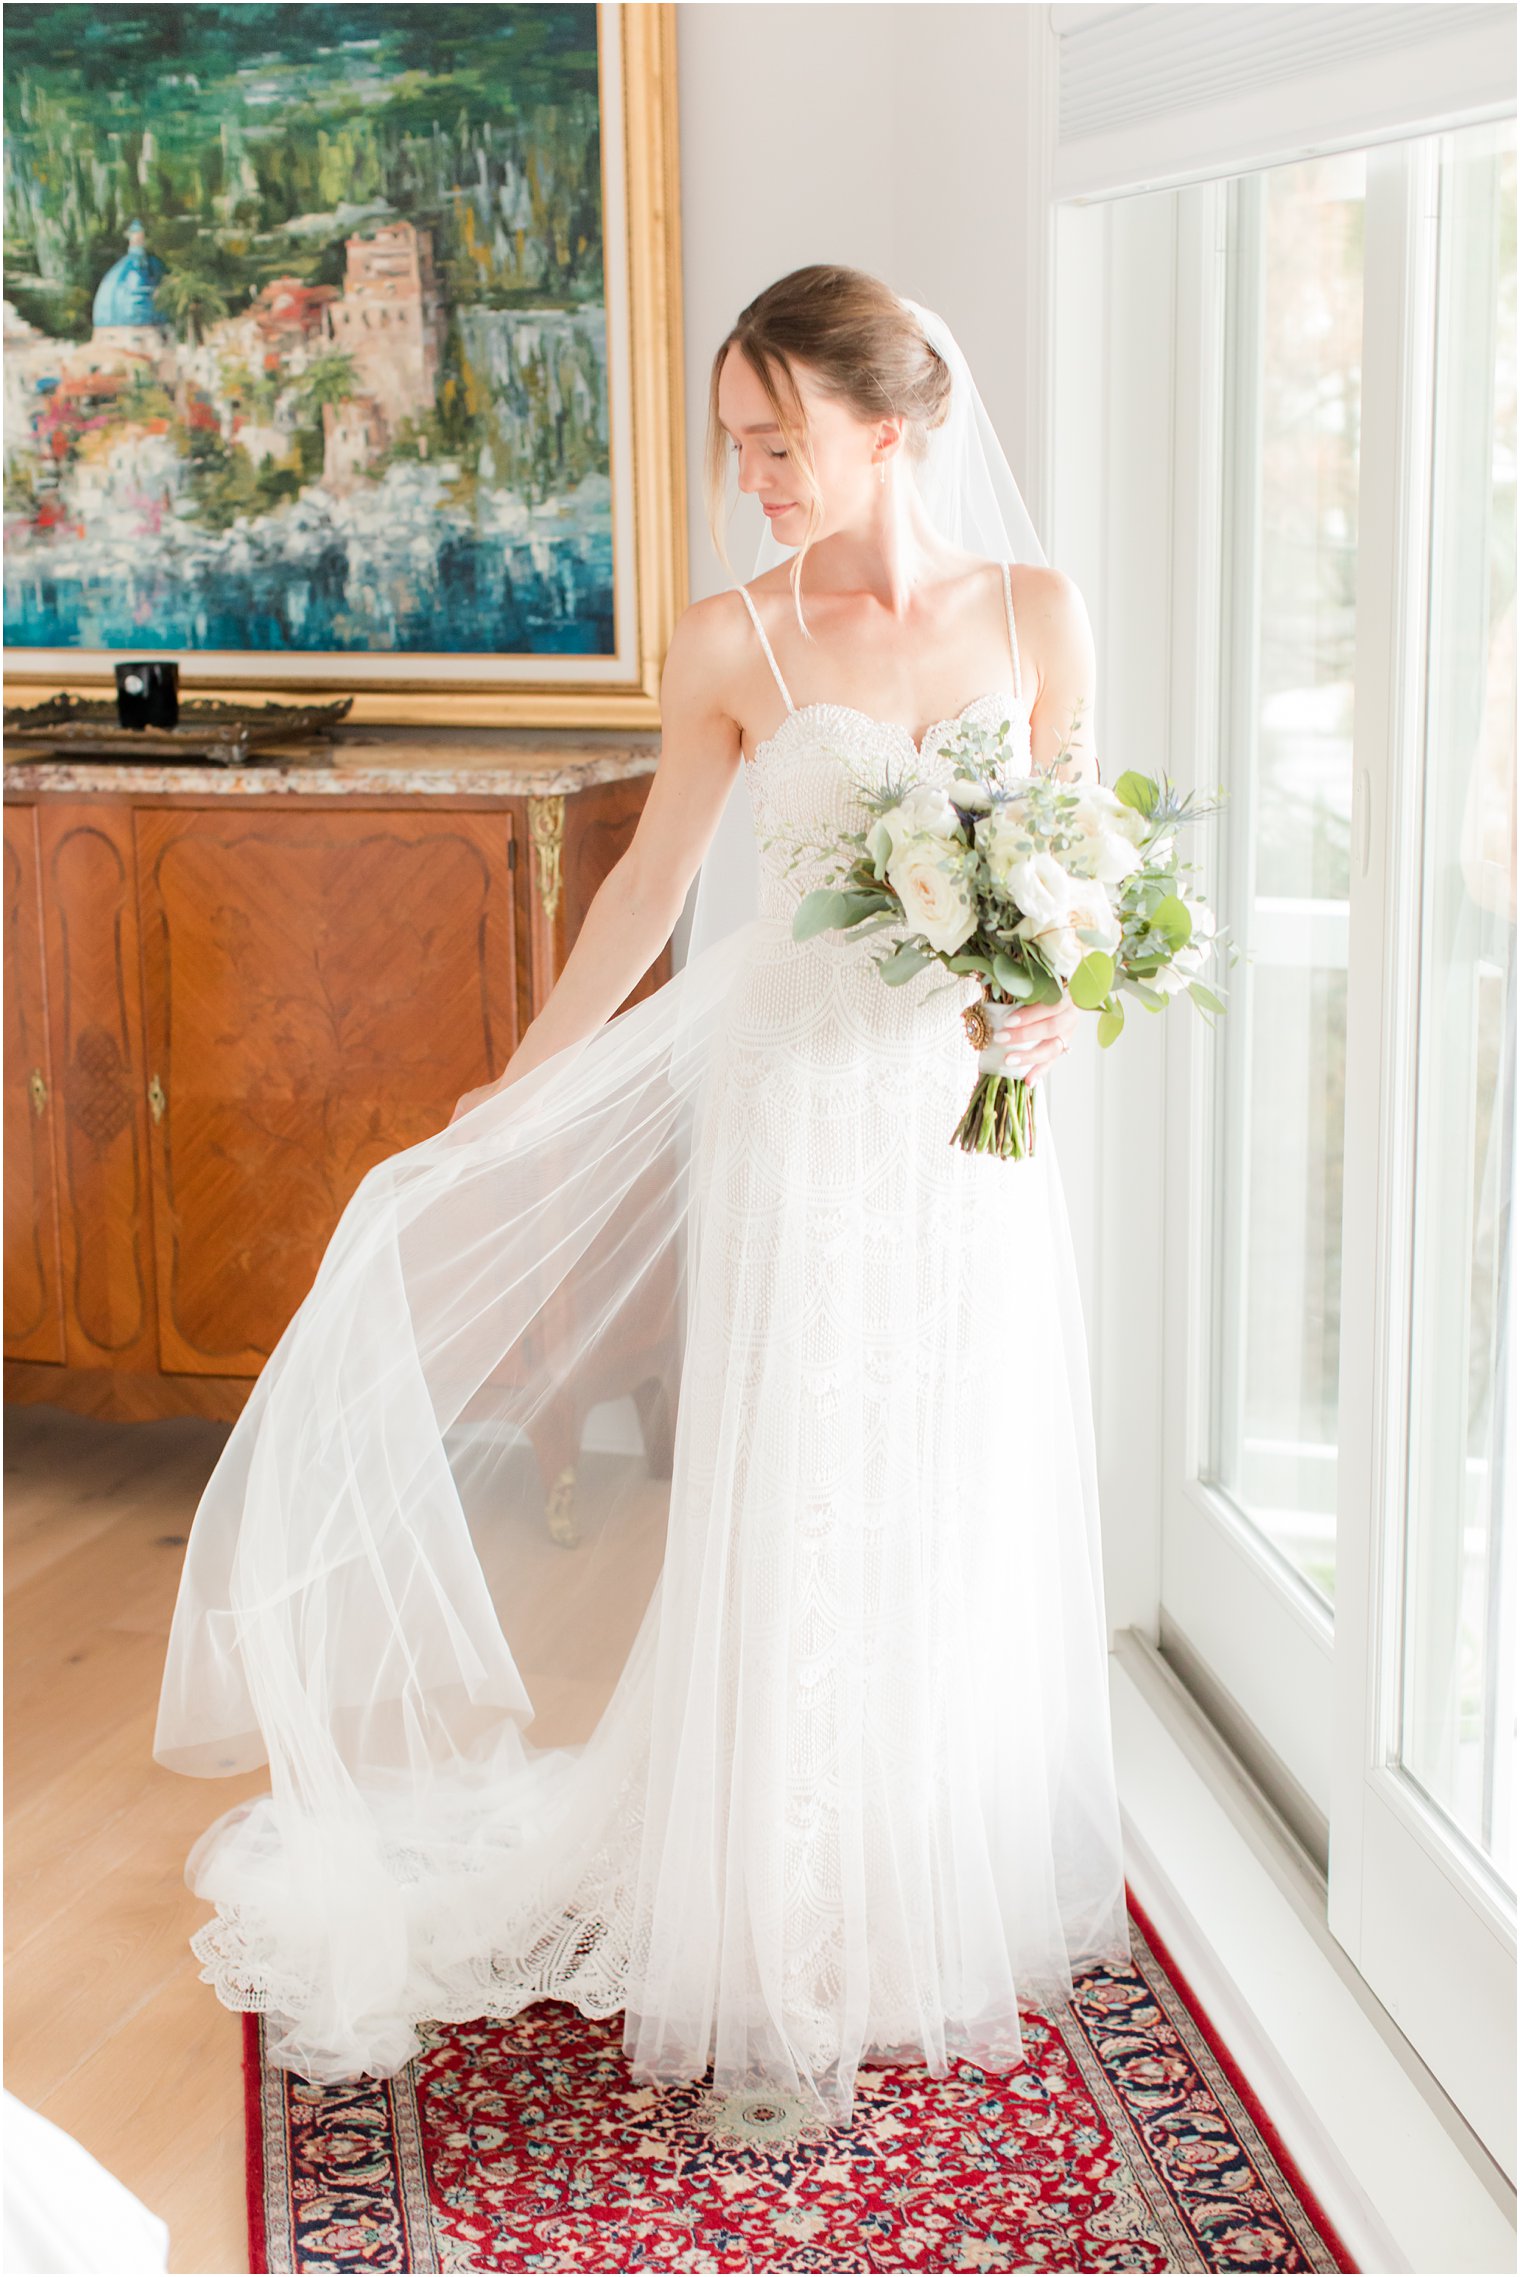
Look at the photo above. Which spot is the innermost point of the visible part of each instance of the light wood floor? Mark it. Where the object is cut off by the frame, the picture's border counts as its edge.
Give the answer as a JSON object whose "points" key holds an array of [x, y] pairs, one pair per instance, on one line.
{"points": [[109, 2031]]}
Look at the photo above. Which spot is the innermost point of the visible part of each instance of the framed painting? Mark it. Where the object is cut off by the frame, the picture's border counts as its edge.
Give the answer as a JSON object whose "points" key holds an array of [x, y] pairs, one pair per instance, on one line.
{"points": [[343, 354]]}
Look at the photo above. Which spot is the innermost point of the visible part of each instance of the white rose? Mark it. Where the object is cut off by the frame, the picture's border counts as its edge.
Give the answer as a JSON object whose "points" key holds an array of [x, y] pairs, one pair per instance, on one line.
{"points": [[1107, 832], [935, 897], [1114, 814], [1088, 906], [1191, 958], [1110, 858], [1203, 921], [1169, 980], [1037, 883]]}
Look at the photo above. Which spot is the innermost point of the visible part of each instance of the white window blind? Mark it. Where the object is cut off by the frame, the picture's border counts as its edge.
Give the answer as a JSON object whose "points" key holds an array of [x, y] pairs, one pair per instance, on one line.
{"points": [[1153, 95]]}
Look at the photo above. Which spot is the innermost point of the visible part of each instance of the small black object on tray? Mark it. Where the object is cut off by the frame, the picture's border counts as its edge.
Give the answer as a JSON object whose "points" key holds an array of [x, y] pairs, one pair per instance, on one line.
{"points": [[206, 732]]}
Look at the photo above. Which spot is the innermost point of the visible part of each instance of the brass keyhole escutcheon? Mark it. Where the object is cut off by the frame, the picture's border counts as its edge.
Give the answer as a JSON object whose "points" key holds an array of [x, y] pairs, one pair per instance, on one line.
{"points": [[37, 1085], [157, 1099]]}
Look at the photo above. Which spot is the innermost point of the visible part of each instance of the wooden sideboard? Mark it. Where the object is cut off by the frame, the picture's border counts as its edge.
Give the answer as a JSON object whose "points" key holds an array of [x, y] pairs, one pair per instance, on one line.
{"points": [[230, 992]]}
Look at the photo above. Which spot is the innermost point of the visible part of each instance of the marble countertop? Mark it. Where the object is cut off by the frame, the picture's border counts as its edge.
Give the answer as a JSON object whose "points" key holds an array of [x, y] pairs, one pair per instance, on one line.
{"points": [[388, 762]]}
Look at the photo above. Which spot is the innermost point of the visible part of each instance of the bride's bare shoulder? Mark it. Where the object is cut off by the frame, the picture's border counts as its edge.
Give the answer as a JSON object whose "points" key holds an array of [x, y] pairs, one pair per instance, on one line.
{"points": [[709, 657], [716, 628], [1052, 615]]}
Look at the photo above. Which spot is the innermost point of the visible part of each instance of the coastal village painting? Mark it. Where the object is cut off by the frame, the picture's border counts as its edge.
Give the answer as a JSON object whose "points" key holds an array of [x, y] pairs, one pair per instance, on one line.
{"points": [[305, 330]]}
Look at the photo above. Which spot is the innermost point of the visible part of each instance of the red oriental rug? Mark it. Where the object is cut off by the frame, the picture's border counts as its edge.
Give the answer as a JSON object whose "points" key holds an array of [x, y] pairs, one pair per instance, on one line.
{"points": [[1130, 2142]]}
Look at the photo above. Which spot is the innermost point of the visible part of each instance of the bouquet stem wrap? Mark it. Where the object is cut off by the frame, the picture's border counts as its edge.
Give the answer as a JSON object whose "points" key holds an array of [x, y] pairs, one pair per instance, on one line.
{"points": [[999, 1117]]}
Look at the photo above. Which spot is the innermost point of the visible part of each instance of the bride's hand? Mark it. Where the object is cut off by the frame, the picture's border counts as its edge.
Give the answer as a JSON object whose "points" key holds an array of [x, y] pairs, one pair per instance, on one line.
{"points": [[1042, 1032], [470, 1099]]}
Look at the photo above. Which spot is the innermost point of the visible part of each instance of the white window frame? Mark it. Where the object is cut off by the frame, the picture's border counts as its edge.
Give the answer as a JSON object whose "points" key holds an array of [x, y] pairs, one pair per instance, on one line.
{"points": [[1140, 296], [1428, 1926]]}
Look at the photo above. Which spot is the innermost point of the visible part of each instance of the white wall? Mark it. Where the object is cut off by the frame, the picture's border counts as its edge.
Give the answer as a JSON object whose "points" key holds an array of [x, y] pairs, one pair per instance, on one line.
{"points": [[889, 136]]}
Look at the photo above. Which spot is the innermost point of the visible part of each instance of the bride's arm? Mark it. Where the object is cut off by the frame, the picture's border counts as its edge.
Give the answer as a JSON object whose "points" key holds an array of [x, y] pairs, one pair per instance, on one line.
{"points": [[1054, 617], [634, 910]]}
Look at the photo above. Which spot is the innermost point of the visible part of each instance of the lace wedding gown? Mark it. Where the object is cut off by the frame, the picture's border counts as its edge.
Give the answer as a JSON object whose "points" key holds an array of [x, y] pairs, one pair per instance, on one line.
{"points": [[793, 1747]]}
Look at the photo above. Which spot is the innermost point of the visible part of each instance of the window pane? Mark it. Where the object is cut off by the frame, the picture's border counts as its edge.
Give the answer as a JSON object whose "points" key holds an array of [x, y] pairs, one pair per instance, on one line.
{"points": [[1459, 1605], [1295, 389]]}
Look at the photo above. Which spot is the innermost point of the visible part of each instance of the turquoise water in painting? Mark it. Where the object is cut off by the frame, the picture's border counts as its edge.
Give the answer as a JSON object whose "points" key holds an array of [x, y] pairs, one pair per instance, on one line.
{"points": [[469, 596]]}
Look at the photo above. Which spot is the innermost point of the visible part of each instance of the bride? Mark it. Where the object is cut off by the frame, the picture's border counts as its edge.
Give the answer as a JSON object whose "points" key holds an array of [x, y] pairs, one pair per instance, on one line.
{"points": [[659, 1561]]}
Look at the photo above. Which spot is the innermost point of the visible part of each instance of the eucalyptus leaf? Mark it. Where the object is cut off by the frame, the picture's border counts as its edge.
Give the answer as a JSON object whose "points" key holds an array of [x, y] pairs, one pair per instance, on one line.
{"points": [[816, 912], [888, 921], [1170, 919], [1137, 791], [827, 909], [1092, 980], [903, 964], [866, 901], [1110, 1022], [1012, 976], [1152, 998]]}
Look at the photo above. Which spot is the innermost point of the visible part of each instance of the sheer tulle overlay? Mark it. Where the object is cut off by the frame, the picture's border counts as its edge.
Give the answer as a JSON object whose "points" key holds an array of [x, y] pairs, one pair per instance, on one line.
{"points": [[659, 1562]]}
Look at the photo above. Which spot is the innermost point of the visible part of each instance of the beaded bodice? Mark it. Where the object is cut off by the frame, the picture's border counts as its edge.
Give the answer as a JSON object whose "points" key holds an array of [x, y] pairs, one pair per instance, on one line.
{"points": [[805, 780]]}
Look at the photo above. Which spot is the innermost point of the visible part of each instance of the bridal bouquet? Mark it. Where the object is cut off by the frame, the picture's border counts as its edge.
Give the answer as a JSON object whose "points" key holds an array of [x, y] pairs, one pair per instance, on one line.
{"points": [[1036, 885]]}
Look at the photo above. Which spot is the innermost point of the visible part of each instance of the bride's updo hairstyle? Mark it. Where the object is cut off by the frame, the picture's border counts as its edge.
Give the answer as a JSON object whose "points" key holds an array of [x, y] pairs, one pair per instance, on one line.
{"points": [[860, 344]]}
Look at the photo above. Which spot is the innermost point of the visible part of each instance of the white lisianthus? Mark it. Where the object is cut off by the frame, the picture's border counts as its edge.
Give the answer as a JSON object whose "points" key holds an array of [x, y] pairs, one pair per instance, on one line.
{"points": [[922, 812], [1008, 843], [934, 893], [967, 792], [1087, 906]]}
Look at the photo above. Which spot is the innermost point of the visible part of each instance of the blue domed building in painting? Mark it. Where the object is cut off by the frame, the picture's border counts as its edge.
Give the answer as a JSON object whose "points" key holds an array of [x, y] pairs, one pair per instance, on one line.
{"points": [[126, 311], [130, 334]]}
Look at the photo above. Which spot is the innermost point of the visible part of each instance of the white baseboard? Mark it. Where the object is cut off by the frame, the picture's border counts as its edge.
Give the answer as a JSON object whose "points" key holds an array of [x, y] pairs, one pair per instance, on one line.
{"points": [[1241, 1906]]}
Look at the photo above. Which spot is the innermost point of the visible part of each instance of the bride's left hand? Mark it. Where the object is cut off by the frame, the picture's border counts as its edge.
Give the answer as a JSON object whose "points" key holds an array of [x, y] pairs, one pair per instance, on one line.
{"points": [[471, 1099], [1043, 1033]]}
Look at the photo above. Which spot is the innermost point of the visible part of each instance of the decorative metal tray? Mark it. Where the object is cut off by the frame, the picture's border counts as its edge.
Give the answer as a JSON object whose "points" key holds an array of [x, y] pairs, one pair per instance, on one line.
{"points": [[207, 733]]}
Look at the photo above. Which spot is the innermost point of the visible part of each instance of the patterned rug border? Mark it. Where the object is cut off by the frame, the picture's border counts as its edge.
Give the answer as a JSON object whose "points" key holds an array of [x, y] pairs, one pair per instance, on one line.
{"points": [[253, 2140], [1310, 2200], [263, 2115]]}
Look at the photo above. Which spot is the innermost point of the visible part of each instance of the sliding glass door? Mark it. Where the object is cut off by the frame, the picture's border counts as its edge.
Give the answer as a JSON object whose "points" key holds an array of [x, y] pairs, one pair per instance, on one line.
{"points": [[1453, 1713], [1422, 1872], [1339, 1507]]}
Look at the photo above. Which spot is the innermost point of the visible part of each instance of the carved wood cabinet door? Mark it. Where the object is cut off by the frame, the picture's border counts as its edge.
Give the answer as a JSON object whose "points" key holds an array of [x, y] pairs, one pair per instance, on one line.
{"points": [[319, 990], [33, 1269], [220, 1013], [93, 983]]}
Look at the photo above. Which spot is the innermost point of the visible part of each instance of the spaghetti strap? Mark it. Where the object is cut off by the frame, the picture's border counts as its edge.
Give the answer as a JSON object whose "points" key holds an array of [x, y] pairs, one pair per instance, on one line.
{"points": [[765, 644], [1013, 638]]}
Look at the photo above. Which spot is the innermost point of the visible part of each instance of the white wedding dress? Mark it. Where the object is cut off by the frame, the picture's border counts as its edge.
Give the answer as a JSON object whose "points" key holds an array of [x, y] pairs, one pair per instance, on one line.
{"points": [[798, 1754]]}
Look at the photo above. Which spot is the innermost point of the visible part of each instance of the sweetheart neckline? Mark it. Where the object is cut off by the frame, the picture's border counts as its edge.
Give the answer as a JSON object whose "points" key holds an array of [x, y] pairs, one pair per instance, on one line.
{"points": [[893, 726]]}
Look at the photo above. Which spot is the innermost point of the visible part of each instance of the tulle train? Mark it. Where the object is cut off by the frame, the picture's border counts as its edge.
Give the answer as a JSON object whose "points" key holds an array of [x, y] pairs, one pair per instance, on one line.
{"points": [[661, 1573]]}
